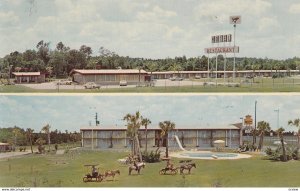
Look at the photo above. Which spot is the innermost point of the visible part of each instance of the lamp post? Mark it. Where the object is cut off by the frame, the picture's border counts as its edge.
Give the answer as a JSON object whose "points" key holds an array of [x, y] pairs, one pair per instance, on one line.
{"points": [[97, 123], [241, 132]]}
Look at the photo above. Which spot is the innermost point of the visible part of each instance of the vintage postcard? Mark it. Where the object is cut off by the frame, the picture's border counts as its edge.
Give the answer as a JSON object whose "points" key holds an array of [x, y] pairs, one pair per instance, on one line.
{"points": [[137, 93]]}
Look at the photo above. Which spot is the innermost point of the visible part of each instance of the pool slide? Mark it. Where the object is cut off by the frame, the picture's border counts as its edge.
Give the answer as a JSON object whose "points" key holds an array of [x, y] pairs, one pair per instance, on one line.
{"points": [[179, 143]]}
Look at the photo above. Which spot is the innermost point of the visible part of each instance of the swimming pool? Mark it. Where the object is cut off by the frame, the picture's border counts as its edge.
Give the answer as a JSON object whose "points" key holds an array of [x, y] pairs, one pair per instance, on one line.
{"points": [[209, 155]]}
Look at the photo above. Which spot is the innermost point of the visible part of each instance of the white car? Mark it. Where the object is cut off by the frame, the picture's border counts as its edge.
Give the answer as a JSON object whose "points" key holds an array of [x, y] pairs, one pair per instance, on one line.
{"points": [[91, 85], [176, 78], [123, 83], [64, 82]]}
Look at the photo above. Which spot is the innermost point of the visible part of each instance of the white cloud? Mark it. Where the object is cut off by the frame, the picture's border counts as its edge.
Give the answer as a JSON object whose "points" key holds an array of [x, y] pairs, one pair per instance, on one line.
{"points": [[8, 18], [267, 24], [156, 15], [295, 8], [140, 28], [221, 10]]}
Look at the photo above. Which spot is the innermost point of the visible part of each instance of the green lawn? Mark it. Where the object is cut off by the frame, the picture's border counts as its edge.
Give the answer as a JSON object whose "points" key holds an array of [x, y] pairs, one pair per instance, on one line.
{"points": [[67, 171], [258, 84], [182, 89]]}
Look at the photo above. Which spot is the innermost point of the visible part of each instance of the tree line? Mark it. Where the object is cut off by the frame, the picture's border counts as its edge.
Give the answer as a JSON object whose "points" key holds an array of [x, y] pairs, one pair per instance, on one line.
{"points": [[59, 61], [17, 136]]}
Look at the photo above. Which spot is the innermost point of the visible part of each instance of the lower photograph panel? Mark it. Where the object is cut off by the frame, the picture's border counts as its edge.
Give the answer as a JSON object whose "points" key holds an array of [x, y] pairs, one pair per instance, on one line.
{"points": [[200, 140]]}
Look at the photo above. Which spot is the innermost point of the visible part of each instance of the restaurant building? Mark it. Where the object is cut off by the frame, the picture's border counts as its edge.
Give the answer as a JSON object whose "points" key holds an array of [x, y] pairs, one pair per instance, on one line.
{"points": [[109, 77]]}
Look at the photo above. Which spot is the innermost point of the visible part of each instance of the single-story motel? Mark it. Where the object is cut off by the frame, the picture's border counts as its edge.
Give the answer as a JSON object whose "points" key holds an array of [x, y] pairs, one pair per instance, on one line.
{"points": [[29, 77], [135, 76], [5, 147], [97, 137]]}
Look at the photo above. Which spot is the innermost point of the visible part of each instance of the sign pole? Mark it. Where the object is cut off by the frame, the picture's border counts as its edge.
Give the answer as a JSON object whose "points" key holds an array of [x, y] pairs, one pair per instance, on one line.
{"points": [[216, 69], [225, 69], [208, 67], [234, 26], [234, 20]]}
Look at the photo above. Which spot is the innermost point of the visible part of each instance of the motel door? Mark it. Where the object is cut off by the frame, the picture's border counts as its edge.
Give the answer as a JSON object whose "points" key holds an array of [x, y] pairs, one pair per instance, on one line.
{"points": [[159, 140]]}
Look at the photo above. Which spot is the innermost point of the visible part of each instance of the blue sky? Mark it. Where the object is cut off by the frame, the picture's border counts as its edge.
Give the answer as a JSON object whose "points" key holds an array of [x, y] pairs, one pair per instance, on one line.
{"points": [[71, 112], [151, 29]]}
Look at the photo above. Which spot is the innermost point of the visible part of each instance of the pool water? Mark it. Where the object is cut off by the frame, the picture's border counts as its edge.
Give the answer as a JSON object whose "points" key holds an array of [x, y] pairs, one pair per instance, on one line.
{"points": [[209, 155]]}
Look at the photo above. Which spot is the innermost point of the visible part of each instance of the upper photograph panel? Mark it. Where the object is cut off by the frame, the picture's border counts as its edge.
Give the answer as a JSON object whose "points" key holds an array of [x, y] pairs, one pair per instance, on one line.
{"points": [[119, 46]]}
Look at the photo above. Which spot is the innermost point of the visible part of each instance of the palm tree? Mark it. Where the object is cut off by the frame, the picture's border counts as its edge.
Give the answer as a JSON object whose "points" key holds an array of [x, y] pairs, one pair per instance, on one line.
{"points": [[29, 135], [40, 141], [262, 128], [46, 129], [152, 67], [145, 123], [175, 67], [166, 126], [280, 134], [17, 132], [133, 125], [296, 123]]}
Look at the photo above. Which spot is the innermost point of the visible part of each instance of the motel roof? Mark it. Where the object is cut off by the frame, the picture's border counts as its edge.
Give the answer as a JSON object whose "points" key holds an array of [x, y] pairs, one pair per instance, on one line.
{"points": [[107, 128], [116, 71], [4, 144], [26, 73]]}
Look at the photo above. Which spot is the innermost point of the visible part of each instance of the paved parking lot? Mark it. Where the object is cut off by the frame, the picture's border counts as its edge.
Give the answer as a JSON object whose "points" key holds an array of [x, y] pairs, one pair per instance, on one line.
{"points": [[167, 82], [52, 86], [158, 83]]}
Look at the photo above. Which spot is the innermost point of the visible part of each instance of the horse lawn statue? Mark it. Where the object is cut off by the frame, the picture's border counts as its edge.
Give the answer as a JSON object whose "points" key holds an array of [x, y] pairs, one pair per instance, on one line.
{"points": [[167, 170], [137, 167], [112, 173], [187, 167]]}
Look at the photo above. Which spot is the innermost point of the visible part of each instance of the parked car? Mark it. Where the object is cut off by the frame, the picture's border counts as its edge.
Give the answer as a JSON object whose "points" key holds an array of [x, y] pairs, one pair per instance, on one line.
{"points": [[64, 82], [197, 77], [123, 83], [91, 85], [176, 78]]}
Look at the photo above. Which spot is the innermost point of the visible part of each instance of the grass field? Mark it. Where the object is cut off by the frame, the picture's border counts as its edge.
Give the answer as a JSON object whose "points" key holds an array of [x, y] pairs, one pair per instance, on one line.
{"points": [[258, 84], [67, 171]]}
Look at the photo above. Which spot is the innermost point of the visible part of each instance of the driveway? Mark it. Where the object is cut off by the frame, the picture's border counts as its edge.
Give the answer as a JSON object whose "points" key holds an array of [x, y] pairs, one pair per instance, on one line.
{"points": [[13, 154], [52, 86]]}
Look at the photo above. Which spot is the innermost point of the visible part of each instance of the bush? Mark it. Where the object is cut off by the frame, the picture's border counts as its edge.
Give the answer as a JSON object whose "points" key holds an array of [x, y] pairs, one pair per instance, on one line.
{"points": [[291, 153], [151, 157], [295, 153], [268, 151]]}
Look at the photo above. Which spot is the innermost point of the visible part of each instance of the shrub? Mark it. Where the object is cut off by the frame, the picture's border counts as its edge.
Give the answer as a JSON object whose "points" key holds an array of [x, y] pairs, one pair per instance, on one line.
{"points": [[295, 153], [291, 153], [268, 151], [151, 157]]}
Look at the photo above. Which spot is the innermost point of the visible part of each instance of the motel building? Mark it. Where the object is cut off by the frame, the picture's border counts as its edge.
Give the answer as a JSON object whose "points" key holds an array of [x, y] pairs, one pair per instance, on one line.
{"points": [[220, 73], [190, 137], [28, 77], [135, 76], [109, 77]]}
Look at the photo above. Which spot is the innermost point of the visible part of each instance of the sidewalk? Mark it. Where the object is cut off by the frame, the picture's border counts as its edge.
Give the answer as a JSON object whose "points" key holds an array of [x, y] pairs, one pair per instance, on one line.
{"points": [[13, 154]]}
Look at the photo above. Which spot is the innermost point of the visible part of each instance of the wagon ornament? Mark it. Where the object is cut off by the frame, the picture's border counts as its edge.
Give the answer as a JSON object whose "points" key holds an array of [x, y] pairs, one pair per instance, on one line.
{"points": [[93, 175]]}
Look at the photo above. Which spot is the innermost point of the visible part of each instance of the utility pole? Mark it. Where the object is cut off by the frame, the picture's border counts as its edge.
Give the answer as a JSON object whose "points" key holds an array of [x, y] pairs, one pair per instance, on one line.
{"points": [[96, 119]]}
